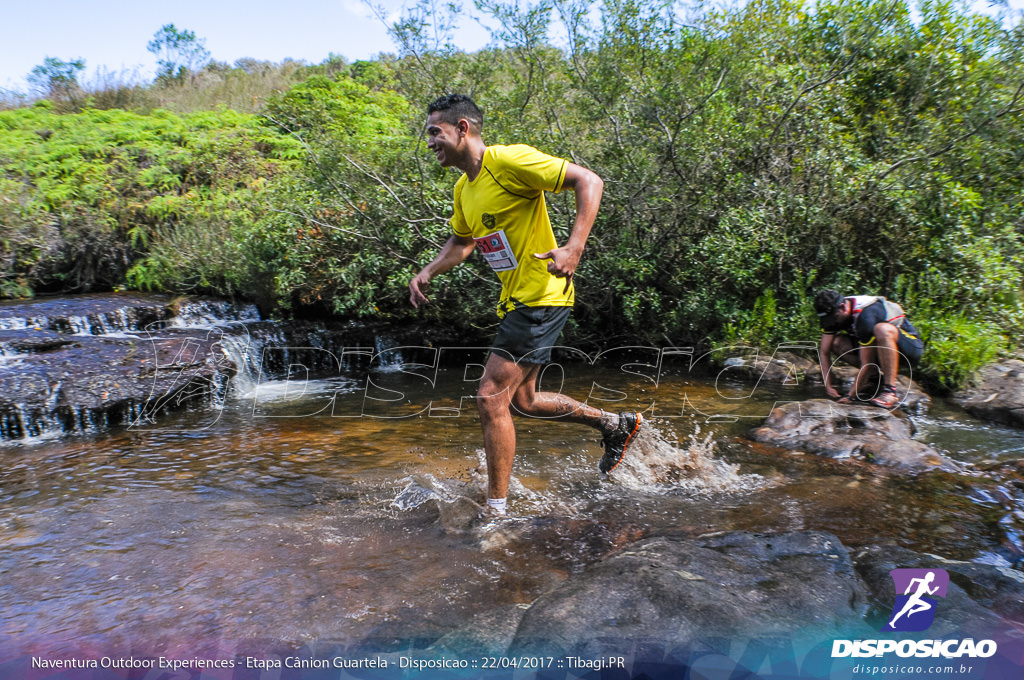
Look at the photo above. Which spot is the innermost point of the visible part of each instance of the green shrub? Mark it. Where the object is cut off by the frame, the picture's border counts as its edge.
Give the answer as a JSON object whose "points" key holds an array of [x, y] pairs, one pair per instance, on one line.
{"points": [[99, 198], [957, 346]]}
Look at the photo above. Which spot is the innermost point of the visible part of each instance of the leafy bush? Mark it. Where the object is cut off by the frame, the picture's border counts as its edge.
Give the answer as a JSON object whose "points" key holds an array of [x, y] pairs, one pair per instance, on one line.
{"points": [[750, 156], [102, 198], [957, 346]]}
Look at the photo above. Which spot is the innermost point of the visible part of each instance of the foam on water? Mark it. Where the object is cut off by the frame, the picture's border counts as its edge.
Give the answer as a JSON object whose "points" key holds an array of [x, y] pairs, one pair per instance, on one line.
{"points": [[460, 500], [654, 463], [295, 390]]}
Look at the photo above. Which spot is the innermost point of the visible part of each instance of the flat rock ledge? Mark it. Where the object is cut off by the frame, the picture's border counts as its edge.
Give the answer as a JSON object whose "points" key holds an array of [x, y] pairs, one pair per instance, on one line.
{"points": [[850, 431], [80, 384], [781, 367], [997, 395], [914, 400], [675, 594]]}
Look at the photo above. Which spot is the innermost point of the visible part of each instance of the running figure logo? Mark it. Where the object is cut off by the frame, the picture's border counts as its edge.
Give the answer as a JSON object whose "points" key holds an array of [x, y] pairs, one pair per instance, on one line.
{"points": [[914, 609]]}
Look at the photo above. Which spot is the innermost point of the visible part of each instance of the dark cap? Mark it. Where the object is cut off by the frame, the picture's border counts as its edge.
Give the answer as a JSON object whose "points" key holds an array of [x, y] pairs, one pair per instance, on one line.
{"points": [[826, 304]]}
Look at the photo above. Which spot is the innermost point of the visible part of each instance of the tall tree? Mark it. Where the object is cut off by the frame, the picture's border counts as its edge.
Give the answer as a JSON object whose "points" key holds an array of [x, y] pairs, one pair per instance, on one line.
{"points": [[178, 53], [58, 79]]}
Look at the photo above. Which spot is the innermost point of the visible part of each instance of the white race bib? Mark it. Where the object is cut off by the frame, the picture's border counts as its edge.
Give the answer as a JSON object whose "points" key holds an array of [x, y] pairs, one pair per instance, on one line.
{"points": [[497, 251]]}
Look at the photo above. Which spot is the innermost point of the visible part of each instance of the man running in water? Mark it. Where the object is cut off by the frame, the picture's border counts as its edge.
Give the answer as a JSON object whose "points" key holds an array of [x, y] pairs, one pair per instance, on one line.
{"points": [[500, 211]]}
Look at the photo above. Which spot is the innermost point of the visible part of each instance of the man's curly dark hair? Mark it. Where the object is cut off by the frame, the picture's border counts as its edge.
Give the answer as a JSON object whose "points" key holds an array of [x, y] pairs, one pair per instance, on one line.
{"points": [[454, 107]]}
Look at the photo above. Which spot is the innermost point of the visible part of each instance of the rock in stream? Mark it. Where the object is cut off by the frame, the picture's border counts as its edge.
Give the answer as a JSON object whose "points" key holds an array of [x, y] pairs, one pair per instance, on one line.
{"points": [[83, 364], [997, 394], [855, 431]]}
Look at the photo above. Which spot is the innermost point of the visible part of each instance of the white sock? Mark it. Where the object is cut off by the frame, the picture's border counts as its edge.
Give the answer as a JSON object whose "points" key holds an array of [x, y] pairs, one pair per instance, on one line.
{"points": [[498, 505]]}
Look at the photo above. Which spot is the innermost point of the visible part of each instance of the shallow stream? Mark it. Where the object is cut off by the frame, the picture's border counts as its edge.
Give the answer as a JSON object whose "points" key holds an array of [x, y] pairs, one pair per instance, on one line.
{"points": [[275, 519]]}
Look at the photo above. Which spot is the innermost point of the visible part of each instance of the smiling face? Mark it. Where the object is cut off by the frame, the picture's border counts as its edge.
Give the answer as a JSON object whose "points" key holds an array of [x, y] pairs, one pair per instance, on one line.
{"points": [[445, 140]]}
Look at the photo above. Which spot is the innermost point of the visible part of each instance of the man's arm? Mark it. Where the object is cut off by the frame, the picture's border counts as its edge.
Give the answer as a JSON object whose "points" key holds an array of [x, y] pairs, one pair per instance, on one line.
{"points": [[454, 251], [825, 362], [588, 188]]}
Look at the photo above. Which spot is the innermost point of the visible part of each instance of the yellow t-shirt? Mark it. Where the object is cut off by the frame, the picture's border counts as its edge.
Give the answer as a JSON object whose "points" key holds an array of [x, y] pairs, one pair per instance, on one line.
{"points": [[503, 209]]}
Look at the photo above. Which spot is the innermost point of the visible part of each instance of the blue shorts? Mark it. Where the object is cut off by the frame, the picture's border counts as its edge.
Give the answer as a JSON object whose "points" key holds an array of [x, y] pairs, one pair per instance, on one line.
{"points": [[527, 334]]}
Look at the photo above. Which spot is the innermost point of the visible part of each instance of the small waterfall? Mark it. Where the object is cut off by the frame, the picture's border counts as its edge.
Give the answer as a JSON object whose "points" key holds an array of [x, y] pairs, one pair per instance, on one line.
{"points": [[247, 352], [387, 357], [212, 313], [86, 314], [83, 364], [19, 323]]}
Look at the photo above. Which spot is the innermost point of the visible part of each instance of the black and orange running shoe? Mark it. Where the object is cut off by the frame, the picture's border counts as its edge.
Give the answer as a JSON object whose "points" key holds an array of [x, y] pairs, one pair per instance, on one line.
{"points": [[616, 441], [887, 398]]}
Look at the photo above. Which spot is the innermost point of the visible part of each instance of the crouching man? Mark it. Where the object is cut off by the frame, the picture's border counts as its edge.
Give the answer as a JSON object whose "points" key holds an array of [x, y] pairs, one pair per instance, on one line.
{"points": [[865, 331]]}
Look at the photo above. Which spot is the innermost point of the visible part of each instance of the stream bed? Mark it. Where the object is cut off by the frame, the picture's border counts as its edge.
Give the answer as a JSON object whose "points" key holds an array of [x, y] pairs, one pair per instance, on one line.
{"points": [[303, 508]]}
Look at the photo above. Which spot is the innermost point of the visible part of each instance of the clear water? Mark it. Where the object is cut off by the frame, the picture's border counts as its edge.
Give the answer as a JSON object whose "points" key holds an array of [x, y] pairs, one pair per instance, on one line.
{"points": [[269, 521]]}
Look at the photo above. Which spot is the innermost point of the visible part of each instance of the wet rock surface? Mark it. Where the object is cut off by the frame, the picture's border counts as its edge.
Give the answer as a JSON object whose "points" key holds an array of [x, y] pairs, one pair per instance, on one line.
{"points": [[981, 597], [86, 363], [853, 431], [676, 592], [913, 399], [88, 314], [798, 363], [997, 395], [93, 382], [681, 590], [83, 364], [787, 366]]}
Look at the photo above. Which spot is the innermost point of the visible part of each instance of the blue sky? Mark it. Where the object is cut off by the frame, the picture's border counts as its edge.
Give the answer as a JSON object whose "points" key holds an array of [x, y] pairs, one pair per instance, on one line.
{"points": [[112, 34]]}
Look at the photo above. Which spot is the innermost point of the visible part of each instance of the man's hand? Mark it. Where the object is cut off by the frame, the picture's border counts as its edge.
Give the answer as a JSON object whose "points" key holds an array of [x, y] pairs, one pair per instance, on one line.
{"points": [[454, 251], [416, 286], [563, 263], [588, 187]]}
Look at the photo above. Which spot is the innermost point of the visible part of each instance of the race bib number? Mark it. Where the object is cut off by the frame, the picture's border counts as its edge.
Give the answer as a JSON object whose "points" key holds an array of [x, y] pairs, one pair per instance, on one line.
{"points": [[497, 251]]}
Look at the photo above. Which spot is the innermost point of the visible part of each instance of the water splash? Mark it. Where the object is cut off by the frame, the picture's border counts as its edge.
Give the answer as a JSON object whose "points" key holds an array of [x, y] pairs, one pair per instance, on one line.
{"points": [[656, 463], [460, 500]]}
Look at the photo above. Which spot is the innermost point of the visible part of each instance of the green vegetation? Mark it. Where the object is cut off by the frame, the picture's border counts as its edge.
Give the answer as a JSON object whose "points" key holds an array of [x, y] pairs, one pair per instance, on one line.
{"points": [[102, 199], [750, 157], [57, 78]]}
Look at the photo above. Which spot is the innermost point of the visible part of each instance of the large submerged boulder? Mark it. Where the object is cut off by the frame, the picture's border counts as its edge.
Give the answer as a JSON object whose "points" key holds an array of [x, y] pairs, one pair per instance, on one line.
{"points": [[997, 394], [674, 593], [853, 431], [682, 590]]}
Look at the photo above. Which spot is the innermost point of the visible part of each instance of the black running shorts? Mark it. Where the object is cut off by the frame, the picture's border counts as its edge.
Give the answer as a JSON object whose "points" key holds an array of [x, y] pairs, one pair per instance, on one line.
{"points": [[909, 343], [527, 334]]}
